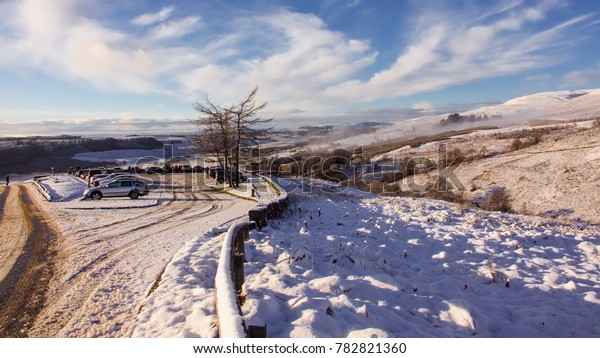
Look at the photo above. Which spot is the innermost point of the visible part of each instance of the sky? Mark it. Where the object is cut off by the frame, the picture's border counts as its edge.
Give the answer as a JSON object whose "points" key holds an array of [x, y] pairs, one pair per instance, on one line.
{"points": [[119, 67]]}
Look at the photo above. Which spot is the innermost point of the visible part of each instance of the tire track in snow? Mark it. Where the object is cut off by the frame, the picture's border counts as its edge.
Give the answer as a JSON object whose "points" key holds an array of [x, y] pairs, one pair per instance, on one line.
{"points": [[76, 293]]}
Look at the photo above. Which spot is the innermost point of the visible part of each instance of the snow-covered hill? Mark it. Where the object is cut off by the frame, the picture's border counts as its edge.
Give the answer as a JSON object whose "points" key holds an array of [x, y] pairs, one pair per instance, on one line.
{"points": [[348, 264], [559, 105]]}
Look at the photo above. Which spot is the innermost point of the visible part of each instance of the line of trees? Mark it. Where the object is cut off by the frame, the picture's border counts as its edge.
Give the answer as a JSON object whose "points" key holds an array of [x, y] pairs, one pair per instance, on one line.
{"points": [[225, 131], [458, 118]]}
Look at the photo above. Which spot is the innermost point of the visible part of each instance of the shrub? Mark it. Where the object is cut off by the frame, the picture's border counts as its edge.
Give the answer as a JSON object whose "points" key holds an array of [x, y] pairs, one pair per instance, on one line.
{"points": [[516, 145], [520, 144], [496, 199], [452, 157]]}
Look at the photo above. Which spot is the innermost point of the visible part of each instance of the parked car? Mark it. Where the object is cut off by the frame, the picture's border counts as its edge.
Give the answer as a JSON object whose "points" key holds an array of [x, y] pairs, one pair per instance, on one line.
{"points": [[118, 188], [118, 176], [153, 170], [85, 174], [186, 168], [98, 177]]}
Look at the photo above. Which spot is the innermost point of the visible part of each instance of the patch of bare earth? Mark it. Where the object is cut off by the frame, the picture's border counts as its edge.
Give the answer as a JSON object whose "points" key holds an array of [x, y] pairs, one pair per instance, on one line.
{"points": [[27, 251]]}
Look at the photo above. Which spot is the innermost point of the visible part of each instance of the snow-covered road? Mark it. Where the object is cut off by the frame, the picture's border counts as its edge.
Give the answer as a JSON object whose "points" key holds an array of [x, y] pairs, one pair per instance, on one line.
{"points": [[112, 259]]}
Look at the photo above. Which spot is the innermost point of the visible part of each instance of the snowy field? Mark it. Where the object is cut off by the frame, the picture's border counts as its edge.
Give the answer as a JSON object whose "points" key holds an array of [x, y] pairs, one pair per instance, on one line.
{"points": [[127, 156], [352, 265], [133, 157]]}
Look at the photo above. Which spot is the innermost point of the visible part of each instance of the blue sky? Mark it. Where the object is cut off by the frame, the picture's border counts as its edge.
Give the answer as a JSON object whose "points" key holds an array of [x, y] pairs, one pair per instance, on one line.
{"points": [[93, 67]]}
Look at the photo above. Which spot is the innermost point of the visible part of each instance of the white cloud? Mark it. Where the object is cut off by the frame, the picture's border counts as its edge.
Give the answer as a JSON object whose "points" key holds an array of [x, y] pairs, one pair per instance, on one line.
{"points": [[152, 18], [424, 107], [582, 77], [121, 125], [303, 58], [175, 28], [54, 37]]}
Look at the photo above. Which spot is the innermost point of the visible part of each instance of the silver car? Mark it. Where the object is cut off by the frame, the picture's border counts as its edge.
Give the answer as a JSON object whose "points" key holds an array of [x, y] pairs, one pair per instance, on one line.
{"points": [[115, 176], [118, 188]]}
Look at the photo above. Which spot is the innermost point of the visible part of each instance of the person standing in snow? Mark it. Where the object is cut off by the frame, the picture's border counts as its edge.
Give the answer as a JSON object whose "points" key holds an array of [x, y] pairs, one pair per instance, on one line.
{"points": [[7, 180]]}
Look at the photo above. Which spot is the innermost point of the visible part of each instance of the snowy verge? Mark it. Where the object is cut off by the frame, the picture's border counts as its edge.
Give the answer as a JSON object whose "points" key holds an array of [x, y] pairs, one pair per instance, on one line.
{"points": [[280, 193], [230, 321], [61, 187], [43, 190], [258, 188], [182, 301]]}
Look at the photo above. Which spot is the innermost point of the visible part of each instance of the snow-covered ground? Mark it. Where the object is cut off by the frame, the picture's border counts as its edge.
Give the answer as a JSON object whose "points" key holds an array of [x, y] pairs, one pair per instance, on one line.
{"points": [[63, 187], [348, 264], [110, 261], [558, 177], [255, 188], [183, 304], [121, 156]]}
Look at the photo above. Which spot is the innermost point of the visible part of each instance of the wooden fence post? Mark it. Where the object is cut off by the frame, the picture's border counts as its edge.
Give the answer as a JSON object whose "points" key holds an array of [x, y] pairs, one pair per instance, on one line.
{"points": [[238, 277]]}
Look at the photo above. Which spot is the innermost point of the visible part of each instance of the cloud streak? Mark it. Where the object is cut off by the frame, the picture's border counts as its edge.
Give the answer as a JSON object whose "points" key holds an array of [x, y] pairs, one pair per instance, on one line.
{"points": [[582, 77], [152, 18], [96, 126], [176, 28]]}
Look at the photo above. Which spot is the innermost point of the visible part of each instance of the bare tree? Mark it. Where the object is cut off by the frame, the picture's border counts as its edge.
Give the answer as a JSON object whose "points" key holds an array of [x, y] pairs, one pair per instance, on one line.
{"points": [[249, 126], [225, 130], [216, 136]]}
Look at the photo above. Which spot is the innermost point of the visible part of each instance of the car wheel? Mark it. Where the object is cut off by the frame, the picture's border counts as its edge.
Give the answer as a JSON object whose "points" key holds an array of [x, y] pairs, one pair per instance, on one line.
{"points": [[96, 195], [134, 195]]}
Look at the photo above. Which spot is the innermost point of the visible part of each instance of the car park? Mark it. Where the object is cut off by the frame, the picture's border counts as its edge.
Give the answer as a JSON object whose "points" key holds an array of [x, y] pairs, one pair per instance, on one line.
{"points": [[118, 188]]}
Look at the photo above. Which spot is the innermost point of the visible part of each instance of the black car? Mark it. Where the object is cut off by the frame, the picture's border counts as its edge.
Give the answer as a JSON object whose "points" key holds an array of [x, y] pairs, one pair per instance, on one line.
{"points": [[154, 170]]}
